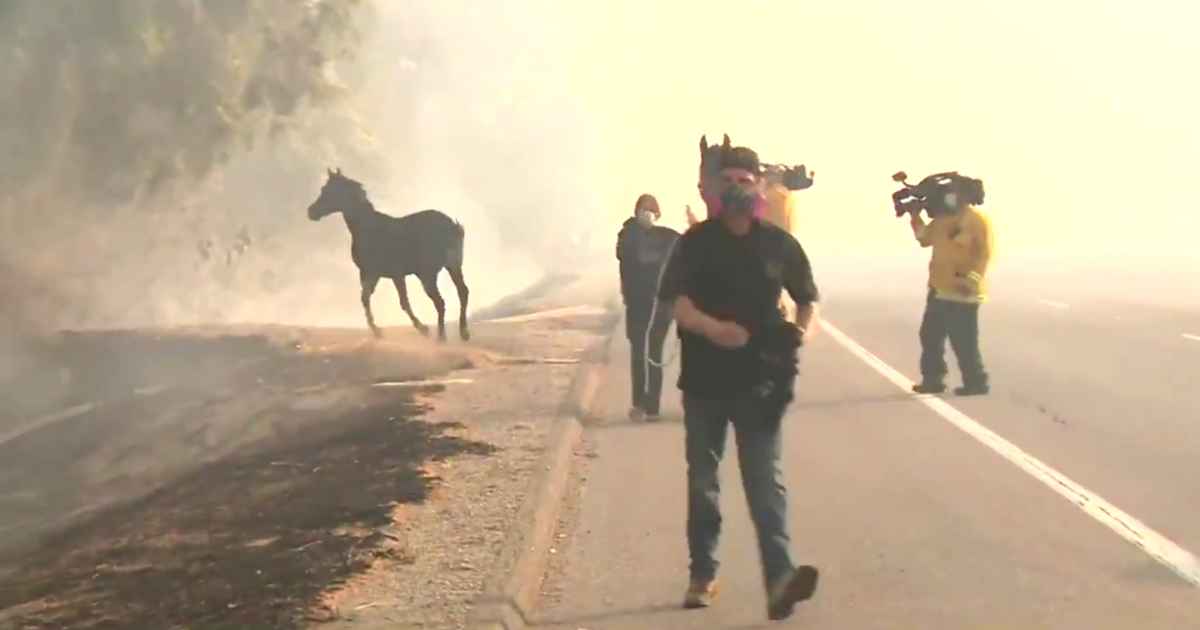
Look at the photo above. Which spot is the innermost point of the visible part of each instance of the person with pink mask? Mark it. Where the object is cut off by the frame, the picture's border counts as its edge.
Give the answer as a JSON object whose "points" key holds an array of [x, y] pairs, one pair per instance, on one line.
{"points": [[778, 205], [709, 183], [725, 277]]}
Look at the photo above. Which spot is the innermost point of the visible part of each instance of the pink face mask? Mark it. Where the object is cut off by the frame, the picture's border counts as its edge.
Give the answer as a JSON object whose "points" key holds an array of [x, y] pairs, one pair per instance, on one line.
{"points": [[712, 200]]}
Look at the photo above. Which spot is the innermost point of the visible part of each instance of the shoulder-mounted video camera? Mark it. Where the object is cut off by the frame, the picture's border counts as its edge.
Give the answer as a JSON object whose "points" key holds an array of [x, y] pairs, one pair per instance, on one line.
{"points": [[929, 195], [792, 177], [712, 155]]}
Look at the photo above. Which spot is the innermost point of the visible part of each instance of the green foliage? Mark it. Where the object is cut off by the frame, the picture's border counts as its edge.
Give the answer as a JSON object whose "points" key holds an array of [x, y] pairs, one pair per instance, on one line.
{"points": [[109, 99]]}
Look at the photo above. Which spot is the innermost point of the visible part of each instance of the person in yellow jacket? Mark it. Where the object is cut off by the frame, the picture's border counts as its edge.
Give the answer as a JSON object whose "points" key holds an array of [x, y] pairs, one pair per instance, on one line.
{"points": [[962, 241]]}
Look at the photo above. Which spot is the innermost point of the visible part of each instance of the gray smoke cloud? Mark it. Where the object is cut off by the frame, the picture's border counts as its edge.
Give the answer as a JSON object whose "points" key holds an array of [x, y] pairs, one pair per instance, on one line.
{"points": [[157, 156]]}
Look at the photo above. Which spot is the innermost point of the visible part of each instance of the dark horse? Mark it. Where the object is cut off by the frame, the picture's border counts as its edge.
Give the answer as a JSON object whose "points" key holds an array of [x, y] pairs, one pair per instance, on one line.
{"points": [[382, 246]]}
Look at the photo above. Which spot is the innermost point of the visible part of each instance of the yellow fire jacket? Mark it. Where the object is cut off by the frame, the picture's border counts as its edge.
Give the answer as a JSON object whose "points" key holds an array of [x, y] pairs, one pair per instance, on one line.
{"points": [[962, 250]]}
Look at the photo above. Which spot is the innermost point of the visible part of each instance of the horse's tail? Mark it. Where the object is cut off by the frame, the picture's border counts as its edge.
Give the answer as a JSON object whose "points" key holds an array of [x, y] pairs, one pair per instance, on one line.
{"points": [[454, 254]]}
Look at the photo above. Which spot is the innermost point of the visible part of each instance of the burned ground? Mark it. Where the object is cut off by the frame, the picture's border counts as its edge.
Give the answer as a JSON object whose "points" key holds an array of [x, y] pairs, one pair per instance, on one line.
{"points": [[248, 542], [209, 480], [269, 477]]}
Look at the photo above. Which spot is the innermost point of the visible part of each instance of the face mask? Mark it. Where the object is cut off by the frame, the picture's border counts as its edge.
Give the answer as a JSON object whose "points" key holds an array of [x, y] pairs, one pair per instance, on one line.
{"points": [[645, 218], [743, 202], [950, 202]]}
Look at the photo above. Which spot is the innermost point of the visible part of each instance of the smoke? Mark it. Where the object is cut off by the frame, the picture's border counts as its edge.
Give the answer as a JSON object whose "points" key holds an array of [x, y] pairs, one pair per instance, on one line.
{"points": [[157, 157]]}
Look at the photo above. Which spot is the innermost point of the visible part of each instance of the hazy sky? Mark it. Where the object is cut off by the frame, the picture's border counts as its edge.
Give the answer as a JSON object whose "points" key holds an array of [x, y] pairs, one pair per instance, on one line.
{"points": [[1080, 118], [537, 123]]}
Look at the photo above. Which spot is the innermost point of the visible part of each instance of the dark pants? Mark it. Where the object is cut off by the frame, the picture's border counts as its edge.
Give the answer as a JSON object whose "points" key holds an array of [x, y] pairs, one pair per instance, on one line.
{"points": [[960, 322], [646, 395], [758, 442]]}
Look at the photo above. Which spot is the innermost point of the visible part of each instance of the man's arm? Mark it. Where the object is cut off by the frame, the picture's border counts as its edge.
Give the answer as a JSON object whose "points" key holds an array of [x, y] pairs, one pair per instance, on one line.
{"points": [[622, 264], [801, 286], [723, 333], [920, 229], [806, 318]]}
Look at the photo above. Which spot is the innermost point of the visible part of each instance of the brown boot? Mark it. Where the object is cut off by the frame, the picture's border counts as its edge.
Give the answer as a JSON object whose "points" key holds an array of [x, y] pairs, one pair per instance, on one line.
{"points": [[795, 588], [700, 594]]}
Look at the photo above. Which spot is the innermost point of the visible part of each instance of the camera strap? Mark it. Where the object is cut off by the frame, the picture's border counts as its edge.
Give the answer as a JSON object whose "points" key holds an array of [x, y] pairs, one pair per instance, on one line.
{"points": [[654, 318]]}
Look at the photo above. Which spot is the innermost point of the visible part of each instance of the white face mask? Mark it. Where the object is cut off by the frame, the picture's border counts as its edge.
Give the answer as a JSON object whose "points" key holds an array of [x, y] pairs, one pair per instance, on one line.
{"points": [[951, 201], [645, 218]]}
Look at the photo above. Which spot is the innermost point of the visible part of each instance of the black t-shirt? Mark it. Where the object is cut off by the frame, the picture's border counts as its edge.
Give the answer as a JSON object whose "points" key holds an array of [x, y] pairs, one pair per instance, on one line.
{"points": [[733, 278]]}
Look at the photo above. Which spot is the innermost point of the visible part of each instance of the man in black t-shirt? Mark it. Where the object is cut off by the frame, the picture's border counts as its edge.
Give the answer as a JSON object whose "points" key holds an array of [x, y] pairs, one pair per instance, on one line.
{"points": [[725, 277]]}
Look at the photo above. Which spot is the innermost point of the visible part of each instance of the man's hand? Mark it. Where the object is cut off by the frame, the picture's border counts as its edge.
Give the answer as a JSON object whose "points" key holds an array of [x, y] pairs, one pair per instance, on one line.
{"points": [[728, 335], [806, 320], [919, 228]]}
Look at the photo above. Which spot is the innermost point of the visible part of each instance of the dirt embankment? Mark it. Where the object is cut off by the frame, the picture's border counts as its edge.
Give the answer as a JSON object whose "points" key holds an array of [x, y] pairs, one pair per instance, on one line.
{"points": [[267, 477]]}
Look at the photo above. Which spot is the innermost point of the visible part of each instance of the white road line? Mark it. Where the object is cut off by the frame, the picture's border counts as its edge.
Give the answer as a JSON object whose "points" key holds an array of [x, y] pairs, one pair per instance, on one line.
{"points": [[45, 421], [1053, 304], [37, 424], [1192, 337], [1183, 562]]}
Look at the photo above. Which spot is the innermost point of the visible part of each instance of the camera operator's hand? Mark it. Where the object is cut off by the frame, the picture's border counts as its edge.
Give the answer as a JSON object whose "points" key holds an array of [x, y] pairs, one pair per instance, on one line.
{"points": [[919, 229], [729, 335]]}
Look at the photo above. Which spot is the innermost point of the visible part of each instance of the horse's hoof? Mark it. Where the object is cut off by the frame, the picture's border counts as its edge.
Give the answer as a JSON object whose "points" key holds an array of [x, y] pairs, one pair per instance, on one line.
{"points": [[424, 330], [376, 333], [465, 335], [442, 337]]}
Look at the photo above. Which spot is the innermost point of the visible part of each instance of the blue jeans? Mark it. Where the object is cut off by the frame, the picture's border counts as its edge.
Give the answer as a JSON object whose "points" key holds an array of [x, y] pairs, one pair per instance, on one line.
{"points": [[757, 430]]}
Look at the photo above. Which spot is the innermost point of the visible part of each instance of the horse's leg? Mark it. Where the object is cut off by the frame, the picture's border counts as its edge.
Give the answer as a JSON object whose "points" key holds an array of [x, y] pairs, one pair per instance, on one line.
{"points": [[429, 281], [456, 275], [402, 289], [369, 282]]}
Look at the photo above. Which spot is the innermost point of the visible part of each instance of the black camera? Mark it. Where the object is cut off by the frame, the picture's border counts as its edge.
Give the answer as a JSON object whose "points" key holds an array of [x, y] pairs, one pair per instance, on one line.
{"points": [[778, 350], [792, 177], [929, 194]]}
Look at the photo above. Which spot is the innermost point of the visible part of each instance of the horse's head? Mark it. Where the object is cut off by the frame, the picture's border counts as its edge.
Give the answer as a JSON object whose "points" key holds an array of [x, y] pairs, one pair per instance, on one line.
{"points": [[710, 162], [339, 194]]}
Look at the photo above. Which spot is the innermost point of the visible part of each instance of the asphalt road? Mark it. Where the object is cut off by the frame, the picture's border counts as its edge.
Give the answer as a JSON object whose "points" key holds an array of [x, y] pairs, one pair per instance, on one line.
{"points": [[915, 523]]}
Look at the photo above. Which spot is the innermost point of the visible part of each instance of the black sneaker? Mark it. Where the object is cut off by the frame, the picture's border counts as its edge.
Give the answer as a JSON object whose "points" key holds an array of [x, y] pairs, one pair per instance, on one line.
{"points": [[972, 390], [929, 388], [797, 587]]}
